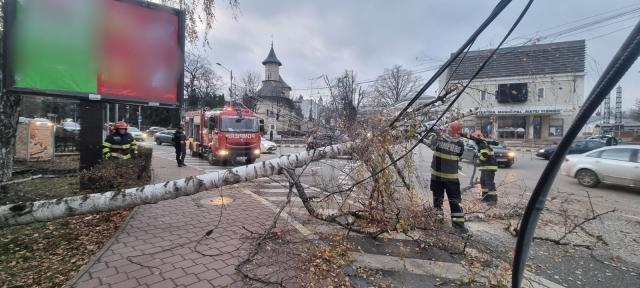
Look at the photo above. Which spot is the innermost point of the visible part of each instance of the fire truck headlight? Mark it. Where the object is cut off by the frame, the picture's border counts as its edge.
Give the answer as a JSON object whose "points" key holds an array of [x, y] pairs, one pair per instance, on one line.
{"points": [[256, 151], [223, 152]]}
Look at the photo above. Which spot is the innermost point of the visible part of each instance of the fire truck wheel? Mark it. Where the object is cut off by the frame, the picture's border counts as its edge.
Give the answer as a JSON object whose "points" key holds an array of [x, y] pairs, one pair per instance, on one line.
{"points": [[251, 160], [211, 159]]}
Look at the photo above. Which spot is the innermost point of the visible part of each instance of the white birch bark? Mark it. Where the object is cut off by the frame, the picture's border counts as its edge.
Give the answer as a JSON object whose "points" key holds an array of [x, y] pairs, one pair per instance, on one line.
{"points": [[24, 213]]}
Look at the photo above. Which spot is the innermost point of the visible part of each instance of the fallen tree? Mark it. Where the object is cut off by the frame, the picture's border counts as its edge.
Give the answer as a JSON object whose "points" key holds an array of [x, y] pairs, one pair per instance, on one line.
{"points": [[25, 213]]}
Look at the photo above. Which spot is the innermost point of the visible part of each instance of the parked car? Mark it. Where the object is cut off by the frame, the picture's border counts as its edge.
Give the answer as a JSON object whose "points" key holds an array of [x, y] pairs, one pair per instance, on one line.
{"points": [[153, 130], [607, 139], [267, 146], [164, 137], [504, 156], [578, 147], [619, 165], [72, 127], [136, 133], [326, 138]]}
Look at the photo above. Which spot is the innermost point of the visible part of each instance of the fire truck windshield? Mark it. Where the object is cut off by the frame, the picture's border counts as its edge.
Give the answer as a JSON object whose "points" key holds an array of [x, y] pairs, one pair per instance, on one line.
{"points": [[237, 124]]}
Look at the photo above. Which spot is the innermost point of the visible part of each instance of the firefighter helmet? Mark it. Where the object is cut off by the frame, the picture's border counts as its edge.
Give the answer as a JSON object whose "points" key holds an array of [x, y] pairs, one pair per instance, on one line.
{"points": [[454, 128], [120, 125]]}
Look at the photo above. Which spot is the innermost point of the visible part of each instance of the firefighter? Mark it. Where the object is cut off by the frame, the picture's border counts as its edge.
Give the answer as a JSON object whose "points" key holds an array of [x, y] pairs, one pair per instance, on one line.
{"points": [[447, 150], [119, 144], [179, 140], [488, 166]]}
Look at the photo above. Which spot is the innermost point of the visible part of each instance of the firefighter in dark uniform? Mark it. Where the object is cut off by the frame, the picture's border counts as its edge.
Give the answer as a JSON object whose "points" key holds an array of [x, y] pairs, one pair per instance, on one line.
{"points": [[179, 140], [488, 166], [447, 150], [119, 144]]}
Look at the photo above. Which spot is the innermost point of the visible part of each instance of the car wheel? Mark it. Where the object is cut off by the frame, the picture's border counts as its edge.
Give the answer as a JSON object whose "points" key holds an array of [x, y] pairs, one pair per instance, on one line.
{"points": [[212, 160], [587, 178], [158, 142]]}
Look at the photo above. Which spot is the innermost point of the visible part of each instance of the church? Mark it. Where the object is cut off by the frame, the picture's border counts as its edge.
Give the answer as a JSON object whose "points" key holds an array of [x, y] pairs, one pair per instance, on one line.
{"points": [[273, 104]]}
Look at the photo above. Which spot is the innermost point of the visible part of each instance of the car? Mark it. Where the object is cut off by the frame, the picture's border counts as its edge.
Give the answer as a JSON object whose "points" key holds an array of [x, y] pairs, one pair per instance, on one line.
{"points": [[578, 147], [608, 139], [165, 136], [41, 121], [267, 146], [137, 134], [618, 165], [326, 138], [72, 127], [153, 130], [504, 156]]}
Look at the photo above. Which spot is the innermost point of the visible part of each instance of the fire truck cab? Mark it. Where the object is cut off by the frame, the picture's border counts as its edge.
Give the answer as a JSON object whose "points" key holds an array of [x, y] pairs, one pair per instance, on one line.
{"points": [[223, 134]]}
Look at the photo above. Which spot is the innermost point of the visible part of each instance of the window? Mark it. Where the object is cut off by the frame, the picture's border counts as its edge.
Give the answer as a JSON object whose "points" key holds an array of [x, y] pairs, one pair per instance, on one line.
{"points": [[483, 95], [514, 92], [540, 93], [556, 127], [595, 154], [595, 144], [620, 154]]}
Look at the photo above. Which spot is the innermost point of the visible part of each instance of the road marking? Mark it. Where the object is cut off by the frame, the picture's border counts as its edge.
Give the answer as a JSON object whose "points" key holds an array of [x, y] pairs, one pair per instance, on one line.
{"points": [[306, 232], [411, 265]]}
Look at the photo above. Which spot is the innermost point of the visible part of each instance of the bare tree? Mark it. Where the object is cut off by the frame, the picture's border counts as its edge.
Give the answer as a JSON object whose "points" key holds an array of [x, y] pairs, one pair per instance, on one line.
{"points": [[635, 111], [393, 85], [202, 84], [346, 97], [248, 88]]}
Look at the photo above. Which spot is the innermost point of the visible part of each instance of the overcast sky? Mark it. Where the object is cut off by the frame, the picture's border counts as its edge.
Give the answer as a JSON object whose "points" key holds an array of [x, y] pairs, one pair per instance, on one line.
{"points": [[312, 38]]}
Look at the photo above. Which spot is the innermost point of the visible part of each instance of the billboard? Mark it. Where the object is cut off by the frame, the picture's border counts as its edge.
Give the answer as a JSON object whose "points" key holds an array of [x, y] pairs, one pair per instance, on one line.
{"points": [[112, 50]]}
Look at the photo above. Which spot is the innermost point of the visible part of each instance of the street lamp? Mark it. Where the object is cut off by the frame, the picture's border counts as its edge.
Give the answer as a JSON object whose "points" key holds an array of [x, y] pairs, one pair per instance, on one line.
{"points": [[231, 84]]}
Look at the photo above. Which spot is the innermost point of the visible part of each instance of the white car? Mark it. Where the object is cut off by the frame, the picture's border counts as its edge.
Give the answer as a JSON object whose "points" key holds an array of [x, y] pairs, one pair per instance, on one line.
{"points": [[267, 146], [137, 134], [618, 165]]}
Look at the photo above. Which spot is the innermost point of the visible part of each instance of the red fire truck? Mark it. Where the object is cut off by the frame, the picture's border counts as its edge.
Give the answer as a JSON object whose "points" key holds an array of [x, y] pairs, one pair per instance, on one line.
{"points": [[224, 134]]}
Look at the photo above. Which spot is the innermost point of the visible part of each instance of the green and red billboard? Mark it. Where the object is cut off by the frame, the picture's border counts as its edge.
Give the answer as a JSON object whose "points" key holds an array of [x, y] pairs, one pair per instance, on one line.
{"points": [[112, 50]]}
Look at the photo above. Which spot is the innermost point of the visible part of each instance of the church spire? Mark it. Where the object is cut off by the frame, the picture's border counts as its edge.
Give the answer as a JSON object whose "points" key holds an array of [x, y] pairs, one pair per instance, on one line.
{"points": [[271, 58]]}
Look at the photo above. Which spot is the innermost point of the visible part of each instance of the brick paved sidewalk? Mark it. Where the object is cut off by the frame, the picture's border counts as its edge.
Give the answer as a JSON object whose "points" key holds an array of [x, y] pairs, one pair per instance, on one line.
{"points": [[168, 230], [161, 237]]}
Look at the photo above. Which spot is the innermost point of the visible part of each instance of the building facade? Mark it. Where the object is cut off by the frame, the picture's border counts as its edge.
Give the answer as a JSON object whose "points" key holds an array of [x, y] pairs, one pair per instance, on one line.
{"points": [[276, 110], [526, 93]]}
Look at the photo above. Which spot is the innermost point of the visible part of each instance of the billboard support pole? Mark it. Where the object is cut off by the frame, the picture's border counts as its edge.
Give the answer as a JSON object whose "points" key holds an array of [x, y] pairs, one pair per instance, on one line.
{"points": [[90, 134]]}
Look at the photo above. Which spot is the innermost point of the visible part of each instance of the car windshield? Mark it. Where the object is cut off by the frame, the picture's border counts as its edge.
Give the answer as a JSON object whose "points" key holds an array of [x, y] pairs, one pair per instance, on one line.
{"points": [[237, 124], [71, 125], [132, 129]]}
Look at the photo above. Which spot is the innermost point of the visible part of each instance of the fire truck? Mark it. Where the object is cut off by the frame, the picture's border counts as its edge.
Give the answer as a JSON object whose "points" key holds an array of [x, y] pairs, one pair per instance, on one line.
{"points": [[223, 134]]}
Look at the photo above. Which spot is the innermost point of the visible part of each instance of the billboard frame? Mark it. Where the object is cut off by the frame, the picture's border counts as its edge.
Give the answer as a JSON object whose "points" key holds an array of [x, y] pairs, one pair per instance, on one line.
{"points": [[8, 76]]}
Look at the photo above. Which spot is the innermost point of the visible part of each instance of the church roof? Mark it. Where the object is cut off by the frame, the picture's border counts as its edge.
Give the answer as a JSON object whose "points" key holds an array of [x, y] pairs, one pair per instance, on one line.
{"points": [[271, 88], [271, 58]]}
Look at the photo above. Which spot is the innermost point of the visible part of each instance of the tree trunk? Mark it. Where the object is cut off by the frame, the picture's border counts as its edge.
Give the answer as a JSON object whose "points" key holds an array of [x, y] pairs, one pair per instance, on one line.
{"points": [[24, 213], [9, 112]]}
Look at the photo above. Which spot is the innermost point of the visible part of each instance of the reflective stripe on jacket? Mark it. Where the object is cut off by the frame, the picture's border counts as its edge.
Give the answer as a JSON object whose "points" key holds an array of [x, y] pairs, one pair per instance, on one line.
{"points": [[446, 156], [486, 158]]}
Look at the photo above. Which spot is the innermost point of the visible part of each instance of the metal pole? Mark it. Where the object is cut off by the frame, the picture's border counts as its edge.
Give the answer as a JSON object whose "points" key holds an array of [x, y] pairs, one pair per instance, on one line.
{"points": [[139, 117], [231, 87], [116, 113]]}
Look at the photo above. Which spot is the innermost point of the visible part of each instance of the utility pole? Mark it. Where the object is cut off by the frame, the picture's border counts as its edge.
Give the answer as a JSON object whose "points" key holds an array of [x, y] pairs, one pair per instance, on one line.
{"points": [[606, 119], [618, 113], [231, 97]]}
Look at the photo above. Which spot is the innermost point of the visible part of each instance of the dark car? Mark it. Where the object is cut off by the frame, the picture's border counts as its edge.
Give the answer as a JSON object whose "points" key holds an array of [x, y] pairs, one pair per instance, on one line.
{"points": [[504, 156], [153, 130], [323, 139], [164, 137], [578, 147]]}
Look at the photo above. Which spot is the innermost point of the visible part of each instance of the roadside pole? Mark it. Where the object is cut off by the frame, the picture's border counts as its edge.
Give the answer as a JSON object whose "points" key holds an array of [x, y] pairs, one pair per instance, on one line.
{"points": [[90, 141]]}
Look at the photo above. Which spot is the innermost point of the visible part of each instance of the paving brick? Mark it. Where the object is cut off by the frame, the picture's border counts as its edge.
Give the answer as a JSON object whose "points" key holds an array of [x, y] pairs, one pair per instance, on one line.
{"points": [[147, 280], [184, 264], [218, 264], [173, 274], [95, 282], [209, 275], [221, 281], [104, 273], [201, 284], [131, 283], [114, 279], [186, 280], [195, 269], [140, 273], [163, 284]]}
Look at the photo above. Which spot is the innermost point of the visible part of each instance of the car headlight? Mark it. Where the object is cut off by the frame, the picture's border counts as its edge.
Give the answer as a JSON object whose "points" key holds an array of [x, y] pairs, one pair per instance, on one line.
{"points": [[541, 151], [511, 154], [223, 152]]}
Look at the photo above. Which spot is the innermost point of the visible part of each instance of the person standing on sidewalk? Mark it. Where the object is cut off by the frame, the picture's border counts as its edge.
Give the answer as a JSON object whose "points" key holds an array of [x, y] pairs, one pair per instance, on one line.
{"points": [[180, 143], [488, 167], [447, 150]]}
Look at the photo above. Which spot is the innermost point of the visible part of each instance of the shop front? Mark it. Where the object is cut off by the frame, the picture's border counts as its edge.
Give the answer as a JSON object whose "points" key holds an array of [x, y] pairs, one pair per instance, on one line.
{"points": [[525, 124]]}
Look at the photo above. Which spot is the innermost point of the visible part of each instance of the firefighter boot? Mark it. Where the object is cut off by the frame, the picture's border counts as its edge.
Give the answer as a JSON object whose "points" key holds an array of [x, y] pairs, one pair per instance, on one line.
{"points": [[459, 227]]}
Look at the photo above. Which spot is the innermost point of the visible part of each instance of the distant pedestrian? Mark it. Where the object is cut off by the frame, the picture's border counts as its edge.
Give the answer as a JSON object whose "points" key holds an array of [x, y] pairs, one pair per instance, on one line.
{"points": [[180, 143], [271, 135]]}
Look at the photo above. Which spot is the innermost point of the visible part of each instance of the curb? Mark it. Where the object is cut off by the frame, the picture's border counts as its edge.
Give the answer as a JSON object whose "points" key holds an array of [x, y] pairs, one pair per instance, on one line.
{"points": [[292, 145], [100, 252]]}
